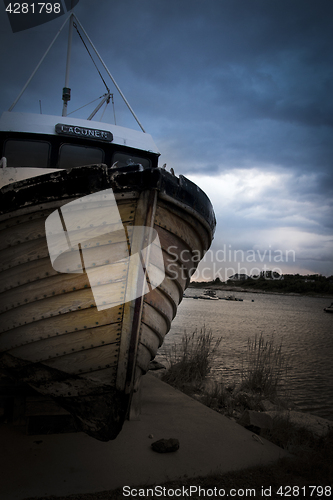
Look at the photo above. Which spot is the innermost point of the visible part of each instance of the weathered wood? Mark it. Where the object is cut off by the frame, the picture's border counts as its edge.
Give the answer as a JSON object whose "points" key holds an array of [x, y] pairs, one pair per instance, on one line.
{"points": [[42, 210], [174, 270], [97, 358], [136, 405], [191, 219], [175, 225], [60, 325], [143, 358], [149, 339], [51, 286], [60, 345], [26, 273], [87, 338], [161, 303], [140, 242], [154, 320], [30, 230], [179, 253], [25, 252], [46, 308]]}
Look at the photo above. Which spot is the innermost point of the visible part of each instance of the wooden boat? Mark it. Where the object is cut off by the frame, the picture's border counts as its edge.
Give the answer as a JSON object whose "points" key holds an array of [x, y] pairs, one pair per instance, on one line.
{"points": [[97, 247], [89, 353]]}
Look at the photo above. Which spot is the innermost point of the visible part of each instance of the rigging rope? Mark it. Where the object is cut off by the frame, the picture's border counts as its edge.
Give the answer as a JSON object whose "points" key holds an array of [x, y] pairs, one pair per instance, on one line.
{"points": [[75, 26], [78, 109]]}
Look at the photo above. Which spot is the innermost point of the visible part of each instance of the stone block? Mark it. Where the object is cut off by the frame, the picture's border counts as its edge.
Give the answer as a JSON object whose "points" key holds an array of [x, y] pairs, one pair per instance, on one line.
{"points": [[255, 421]]}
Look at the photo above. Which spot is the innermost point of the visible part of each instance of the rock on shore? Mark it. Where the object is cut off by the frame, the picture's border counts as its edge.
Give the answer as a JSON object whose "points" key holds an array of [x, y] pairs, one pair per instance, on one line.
{"points": [[317, 425]]}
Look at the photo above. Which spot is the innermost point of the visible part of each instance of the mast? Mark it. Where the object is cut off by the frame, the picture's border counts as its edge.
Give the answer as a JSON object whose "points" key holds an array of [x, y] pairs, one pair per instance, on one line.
{"points": [[66, 91], [38, 65]]}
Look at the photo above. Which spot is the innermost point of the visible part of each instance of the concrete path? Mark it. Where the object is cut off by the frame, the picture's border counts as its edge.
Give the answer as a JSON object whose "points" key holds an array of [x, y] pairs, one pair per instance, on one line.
{"points": [[65, 464]]}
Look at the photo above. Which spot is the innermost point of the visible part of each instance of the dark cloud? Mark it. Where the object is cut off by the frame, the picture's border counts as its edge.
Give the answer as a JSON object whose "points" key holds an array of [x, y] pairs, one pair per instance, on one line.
{"points": [[222, 85]]}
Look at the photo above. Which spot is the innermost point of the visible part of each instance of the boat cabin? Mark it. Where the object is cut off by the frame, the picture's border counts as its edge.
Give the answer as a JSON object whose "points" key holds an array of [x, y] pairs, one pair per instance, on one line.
{"points": [[29, 142]]}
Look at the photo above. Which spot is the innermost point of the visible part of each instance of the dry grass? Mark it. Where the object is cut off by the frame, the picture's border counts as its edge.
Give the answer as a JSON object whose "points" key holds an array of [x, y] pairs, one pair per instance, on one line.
{"points": [[264, 366], [191, 361]]}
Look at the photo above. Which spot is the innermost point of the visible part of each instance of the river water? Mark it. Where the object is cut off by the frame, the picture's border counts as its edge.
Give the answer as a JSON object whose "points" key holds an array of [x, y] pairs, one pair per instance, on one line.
{"points": [[299, 322]]}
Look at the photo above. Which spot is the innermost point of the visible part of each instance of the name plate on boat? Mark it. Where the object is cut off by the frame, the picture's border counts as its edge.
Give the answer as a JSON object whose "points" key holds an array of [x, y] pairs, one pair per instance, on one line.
{"points": [[83, 132]]}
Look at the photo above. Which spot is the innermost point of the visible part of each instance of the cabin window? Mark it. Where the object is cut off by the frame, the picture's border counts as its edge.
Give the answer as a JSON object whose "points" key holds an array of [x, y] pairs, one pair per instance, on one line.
{"points": [[124, 160], [72, 155], [21, 153]]}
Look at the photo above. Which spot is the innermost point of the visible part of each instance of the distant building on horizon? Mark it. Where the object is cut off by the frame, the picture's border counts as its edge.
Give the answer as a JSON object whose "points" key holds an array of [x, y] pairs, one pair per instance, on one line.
{"points": [[238, 277]]}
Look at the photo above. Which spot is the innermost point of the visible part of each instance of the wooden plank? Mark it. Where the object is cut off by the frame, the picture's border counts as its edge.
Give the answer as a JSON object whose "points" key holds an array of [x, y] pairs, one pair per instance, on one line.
{"points": [[89, 359], [136, 405], [145, 214], [46, 308], [25, 252], [170, 288], [53, 306], [26, 273], [58, 325], [160, 302], [47, 287], [66, 343], [91, 237], [154, 320], [138, 377], [149, 339], [175, 225], [191, 219], [176, 272], [178, 251], [144, 357], [11, 218], [37, 249], [44, 209], [30, 230], [156, 271]]}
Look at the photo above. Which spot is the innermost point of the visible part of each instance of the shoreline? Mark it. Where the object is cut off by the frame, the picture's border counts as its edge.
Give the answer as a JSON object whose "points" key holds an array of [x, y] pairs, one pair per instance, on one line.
{"points": [[231, 288]]}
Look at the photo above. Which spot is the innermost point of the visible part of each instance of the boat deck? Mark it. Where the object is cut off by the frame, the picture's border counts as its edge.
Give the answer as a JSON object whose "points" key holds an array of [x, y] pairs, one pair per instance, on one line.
{"points": [[64, 464]]}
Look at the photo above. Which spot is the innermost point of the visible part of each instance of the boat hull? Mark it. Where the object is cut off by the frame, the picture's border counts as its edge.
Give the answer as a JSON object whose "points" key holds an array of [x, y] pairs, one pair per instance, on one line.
{"points": [[85, 338]]}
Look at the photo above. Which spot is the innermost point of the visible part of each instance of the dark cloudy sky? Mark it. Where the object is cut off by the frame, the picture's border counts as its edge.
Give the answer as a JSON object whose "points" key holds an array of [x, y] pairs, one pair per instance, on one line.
{"points": [[238, 97]]}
